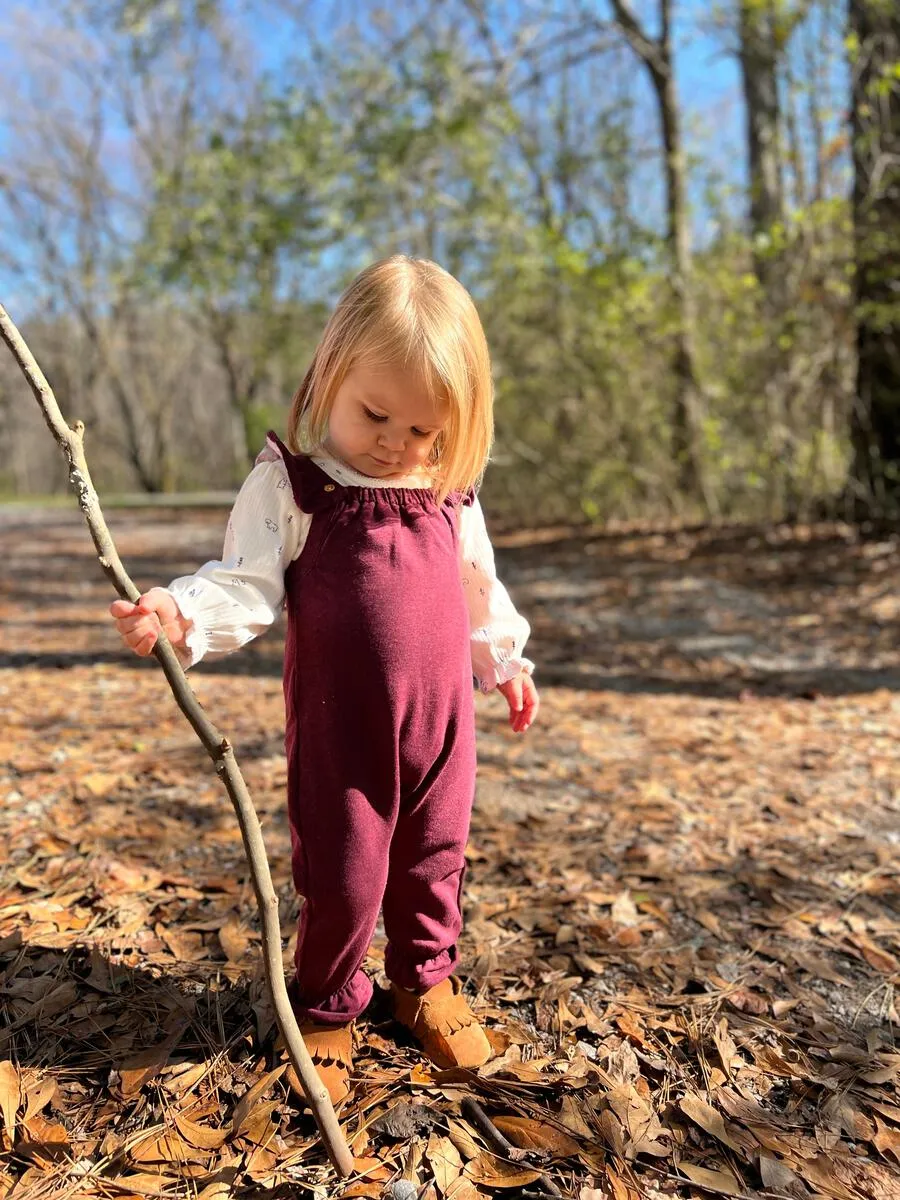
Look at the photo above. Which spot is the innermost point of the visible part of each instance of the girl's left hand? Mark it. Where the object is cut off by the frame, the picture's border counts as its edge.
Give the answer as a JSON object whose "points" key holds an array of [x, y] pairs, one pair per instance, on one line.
{"points": [[522, 698]]}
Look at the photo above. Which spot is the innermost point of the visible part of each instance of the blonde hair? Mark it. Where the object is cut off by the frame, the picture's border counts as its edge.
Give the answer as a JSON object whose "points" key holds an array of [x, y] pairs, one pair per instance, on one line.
{"points": [[409, 313]]}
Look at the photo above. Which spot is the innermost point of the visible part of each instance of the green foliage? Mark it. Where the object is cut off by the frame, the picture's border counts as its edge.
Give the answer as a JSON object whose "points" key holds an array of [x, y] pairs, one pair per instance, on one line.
{"points": [[259, 419], [269, 207], [237, 204]]}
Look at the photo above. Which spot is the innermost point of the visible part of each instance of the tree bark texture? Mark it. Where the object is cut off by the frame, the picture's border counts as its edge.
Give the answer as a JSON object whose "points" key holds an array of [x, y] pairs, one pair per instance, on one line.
{"points": [[875, 126], [687, 418], [758, 55]]}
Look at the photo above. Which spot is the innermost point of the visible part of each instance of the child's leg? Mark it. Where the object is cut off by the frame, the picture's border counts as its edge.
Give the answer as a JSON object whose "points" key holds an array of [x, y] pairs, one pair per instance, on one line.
{"points": [[422, 900], [340, 863], [422, 909]]}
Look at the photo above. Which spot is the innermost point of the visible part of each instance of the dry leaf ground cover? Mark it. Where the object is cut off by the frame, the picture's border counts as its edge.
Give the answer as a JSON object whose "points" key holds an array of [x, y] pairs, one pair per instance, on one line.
{"points": [[682, 907]]}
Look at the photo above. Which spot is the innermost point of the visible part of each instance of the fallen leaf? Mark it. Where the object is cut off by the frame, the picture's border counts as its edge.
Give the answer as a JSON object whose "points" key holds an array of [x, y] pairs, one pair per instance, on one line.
{"points": [[709, 921], [246, 1103], [200, 1135], [775, 1174], [40, 1130], [570, 1116], [141, 1183], [463, 1138], [745, 1000], [887, 1072], [371, 1168], [641, 1132], [819, 967], [874, 955], [444, 1160], [234, 940], [719, 1181], [9, 1096], [219, 1190], [621, 1188], [412, 1161], [498, 1173], [422, 1076], [842, 1116], [188, 1074], [624, 911], [536, 1135], [143, 1067], [99, 783], [259, 1165], [44, 1141], [510, 1063], [37, 1097], [221, 1184], [887, 1139], [821, 1173], [167, 1146], [728, 1051], [629, 1023], [462, 1189], [707, 1118], [258, 1126]]}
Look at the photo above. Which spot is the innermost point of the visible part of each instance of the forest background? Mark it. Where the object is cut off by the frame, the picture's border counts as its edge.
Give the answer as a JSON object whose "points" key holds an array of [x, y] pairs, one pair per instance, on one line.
{"points": [[680, 223]]}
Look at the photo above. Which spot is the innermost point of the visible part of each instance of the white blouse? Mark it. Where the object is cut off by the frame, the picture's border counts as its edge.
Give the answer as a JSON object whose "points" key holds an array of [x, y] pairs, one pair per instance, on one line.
{"points": [[234, 599]]}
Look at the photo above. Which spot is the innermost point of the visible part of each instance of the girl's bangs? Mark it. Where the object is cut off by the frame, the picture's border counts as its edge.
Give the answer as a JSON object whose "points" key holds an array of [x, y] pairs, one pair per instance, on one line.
{"points": [[410, 351]]}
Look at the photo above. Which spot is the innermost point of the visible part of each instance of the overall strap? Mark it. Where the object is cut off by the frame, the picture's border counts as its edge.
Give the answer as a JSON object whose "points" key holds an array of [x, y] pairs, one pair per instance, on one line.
{"points": [[312, 488], [462, 499]]}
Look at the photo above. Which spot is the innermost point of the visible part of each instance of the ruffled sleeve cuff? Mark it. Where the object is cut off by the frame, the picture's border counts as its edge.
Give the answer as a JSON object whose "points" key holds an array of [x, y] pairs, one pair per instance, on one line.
{"points": [[492, 665], [197, 644], [197, 604]]}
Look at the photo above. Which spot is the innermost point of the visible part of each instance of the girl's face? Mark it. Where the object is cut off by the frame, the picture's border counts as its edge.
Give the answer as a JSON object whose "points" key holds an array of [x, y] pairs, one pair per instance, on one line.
{"points": [[383, 422]]}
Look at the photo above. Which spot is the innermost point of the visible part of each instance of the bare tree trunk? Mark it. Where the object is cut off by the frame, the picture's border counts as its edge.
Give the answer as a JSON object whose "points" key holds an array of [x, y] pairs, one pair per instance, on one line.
{"points": [[794, 150], [875, 123], [687, 421], [815, 53], [758, 55]]}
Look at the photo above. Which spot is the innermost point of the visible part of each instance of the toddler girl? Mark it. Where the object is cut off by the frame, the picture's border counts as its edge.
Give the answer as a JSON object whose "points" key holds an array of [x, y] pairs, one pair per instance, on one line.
{"points": [[366, 526]]}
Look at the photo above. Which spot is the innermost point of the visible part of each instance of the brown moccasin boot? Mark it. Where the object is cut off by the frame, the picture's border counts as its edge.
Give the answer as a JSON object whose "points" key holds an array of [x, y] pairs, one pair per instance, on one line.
{"points": [[331, 1049], [444, 1024]]}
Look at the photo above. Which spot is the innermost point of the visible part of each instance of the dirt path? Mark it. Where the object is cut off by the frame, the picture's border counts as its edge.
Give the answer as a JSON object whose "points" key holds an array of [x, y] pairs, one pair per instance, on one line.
{"points": [[682, 908]]}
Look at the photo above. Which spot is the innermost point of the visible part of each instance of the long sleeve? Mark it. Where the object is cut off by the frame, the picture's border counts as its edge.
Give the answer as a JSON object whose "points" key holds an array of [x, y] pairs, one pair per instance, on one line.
{"points": [[231, 600], [499, 633]]}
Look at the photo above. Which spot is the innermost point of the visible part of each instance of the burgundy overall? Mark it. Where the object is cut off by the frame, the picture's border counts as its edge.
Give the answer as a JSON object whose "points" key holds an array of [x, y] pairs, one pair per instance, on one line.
{"points": [[380, 737]]}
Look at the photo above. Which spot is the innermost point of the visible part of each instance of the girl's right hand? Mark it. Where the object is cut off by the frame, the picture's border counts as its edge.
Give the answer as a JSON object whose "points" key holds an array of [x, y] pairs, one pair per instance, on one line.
{"points": [[139, 624]]}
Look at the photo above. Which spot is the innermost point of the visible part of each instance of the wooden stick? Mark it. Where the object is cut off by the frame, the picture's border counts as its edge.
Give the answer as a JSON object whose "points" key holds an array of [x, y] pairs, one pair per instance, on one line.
{"points": [[71, 442], [473, 1112]]}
